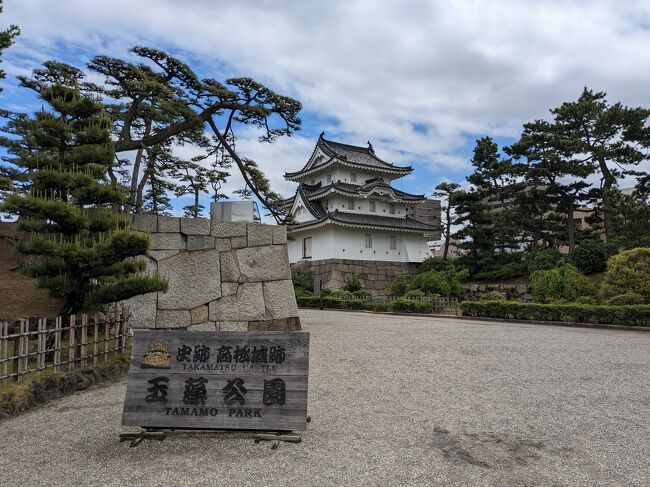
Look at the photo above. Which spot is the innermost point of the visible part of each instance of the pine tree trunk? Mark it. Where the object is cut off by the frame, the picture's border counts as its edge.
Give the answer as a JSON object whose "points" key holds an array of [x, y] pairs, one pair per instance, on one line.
{"points": [[571, 228], [447, 232], [608, 182], [136, 170]]}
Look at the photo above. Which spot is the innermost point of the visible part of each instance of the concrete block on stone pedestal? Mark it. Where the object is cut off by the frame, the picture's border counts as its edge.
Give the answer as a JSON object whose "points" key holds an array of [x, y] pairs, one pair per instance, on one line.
{"points": [[195, 226], [194, 279], [259, 234], [169, 224], [250, 301], [168, 241], [200, 242], [279, 234], [279, 299], [144, 222], [173, 318], [227, 229]]}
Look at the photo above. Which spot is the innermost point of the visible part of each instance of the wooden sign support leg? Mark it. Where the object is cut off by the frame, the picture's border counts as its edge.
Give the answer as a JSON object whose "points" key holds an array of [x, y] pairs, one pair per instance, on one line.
{"points": [[148, 434]]}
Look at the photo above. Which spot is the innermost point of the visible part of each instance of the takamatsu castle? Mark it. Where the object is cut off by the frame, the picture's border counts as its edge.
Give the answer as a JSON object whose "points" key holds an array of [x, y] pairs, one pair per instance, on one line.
{"points": [[350, 221]]}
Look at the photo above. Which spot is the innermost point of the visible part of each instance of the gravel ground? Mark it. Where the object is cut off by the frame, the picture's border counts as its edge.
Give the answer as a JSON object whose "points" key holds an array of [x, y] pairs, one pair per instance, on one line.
{"points": [[394, 400]]}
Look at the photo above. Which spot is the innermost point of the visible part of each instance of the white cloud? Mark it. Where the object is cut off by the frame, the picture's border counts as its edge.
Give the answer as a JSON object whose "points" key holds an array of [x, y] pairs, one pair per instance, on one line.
{"points": [[376, 69]]}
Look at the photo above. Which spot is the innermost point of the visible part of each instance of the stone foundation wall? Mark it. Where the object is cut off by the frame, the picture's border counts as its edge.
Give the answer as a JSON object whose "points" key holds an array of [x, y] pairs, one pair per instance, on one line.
{"points": [[222, 276], [375, 276]]}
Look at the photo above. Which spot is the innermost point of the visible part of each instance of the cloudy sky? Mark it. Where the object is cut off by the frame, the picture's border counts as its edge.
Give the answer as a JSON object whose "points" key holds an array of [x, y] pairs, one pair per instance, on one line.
{"points": [[420, 79]]}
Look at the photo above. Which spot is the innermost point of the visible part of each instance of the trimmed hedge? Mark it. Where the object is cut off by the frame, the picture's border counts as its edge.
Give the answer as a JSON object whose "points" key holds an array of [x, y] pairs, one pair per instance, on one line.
{"points": [[332, 302], [573, 313]]}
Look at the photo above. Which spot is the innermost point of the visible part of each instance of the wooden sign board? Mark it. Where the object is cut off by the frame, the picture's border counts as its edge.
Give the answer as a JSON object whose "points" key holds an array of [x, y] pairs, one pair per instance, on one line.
{"points": [[218, 380]]}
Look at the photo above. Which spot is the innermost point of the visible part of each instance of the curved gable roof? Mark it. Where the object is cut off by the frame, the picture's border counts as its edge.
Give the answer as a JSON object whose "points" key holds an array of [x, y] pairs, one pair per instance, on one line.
{"points": [[352, 155]]}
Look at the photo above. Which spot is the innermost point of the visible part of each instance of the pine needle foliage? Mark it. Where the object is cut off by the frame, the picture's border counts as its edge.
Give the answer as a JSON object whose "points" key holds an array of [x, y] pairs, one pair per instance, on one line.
{"points": [[81, 247]]}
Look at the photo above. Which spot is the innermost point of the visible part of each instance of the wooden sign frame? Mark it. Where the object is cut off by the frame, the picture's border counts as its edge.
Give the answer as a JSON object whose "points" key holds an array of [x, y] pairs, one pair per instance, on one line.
{"points": [[218, 380]]}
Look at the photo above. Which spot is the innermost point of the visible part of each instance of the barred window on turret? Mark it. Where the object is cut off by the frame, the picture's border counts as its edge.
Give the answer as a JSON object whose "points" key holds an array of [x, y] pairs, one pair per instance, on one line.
{"points": [[368, 241], [372, 206]]}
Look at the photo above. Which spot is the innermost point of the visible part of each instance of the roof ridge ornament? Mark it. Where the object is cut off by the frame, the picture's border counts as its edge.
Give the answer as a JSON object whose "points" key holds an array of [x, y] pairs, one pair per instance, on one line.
{"points": [[322, 135], [370, 148]]}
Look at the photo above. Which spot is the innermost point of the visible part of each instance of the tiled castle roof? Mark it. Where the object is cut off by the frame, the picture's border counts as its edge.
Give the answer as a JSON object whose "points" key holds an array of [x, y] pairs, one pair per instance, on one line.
{"points": [[363, 157]]}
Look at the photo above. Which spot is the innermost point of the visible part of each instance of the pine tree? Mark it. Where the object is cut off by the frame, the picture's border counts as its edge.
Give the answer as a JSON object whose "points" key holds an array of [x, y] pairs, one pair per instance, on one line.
{"points": [[447, 190], [82, 250]]}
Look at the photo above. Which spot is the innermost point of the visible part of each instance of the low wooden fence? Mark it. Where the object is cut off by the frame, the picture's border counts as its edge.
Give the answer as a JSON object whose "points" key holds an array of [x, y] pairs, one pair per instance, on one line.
{"points": [[63, 343]]}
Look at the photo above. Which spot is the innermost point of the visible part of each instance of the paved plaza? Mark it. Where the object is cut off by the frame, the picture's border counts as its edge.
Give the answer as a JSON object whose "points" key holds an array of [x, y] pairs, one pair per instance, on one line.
{"points": [[394, 400]]}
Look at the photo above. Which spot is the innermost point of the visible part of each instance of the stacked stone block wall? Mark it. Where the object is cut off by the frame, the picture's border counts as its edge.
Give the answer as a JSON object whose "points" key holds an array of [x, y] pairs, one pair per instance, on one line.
{"points": [[375, 276], [225, 276]]}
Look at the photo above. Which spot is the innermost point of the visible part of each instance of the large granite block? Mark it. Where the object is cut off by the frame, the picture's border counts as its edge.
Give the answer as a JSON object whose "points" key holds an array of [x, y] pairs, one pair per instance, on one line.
{"points": [[199, 314], [256, 264], [194, 279], [250, 301], [169, 224], [288, 324], [233, 326], [229, 267], [259, 234], [162, 254], [200, 242], [173, 318], [222, 244], [279, 299], [224, 309], [279, 234], [195, 226], [228, 229], [167, 241], [144, 222]]}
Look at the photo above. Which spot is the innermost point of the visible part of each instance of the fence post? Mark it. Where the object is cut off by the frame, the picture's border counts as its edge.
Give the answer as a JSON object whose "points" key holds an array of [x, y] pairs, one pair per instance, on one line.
{"points": [[42, 326], [57, 343], [107, 335], [71, 344], [95, 339], [84, 339], [4, 349]]}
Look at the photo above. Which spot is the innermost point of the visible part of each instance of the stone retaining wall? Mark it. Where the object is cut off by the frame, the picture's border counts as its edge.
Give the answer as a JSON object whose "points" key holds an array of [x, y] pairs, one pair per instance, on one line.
{"points": [[227, 276], [375, 276]]}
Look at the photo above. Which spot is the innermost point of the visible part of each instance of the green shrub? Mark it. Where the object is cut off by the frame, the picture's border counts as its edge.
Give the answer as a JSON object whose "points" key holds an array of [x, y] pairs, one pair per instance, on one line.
{"points": [[542, 260], [303, 281], [400, 284], [626, 299], [585, 300], [445, 283], [505, 271], [562, 283], [301, 292], [637, 315], [414, 293], [589, 257], [492, 296], [628, 272], [409, 306], [352, 284], [437, 264]]}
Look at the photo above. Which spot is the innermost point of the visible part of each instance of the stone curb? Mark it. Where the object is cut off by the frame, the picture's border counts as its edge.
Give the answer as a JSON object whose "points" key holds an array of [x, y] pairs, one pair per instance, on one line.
{"points": [[496, 320]]}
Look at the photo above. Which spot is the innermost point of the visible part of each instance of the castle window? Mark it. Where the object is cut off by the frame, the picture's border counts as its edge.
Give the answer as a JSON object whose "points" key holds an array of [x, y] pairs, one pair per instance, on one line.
{"points": [[368, 241], [306, 248], [353, 177], [393, 242], [351, 204], [391, 208], [329, 178], [372, 206]]}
